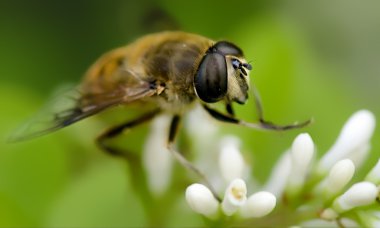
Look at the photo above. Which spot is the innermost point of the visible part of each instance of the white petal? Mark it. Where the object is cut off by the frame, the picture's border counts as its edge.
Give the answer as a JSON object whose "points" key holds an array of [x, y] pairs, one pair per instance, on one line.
{"points": [[203, 132], [258, 205], [279, 175], [231, 162], [359, 155], [302, 150], [374, 175], [340, 174], [356, 133], [201, 200], [360, 194], [234, 197], [301, 153], [200, 125], [157, 159]]}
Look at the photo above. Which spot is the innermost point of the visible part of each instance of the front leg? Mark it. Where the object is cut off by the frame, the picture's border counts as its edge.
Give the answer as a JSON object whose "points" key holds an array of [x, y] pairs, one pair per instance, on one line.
{"points": [[258, 104], [262, 125], [181, 159]]}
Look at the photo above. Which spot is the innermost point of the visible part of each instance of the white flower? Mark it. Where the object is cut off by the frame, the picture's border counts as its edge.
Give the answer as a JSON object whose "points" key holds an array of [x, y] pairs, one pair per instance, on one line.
{"points": [[204, 136], [157, 159], [374, 175], [201, 200], [311, 193], [199, 124], [353, 138], [301, 155], [279, 176], [232, 167], [231, 162], [359, 194], [258, 205], [234, 197], [339, 176], [292, 168]]}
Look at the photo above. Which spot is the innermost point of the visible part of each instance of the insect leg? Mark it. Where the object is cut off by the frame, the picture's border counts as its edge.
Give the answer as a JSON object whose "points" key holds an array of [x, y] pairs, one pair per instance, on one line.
{"points": [[260, 114], [181, 159], [263, 125], [229, 109], [116, 130], [258, 104], [137, 172]]}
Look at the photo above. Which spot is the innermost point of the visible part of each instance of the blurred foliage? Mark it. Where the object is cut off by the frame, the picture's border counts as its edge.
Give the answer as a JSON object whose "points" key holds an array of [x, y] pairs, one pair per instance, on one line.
{"points": [[311, 59]]}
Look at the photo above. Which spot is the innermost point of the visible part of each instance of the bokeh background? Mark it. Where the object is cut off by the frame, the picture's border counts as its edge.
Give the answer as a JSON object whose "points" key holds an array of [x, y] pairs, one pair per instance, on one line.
{"points": [[315, 59]]}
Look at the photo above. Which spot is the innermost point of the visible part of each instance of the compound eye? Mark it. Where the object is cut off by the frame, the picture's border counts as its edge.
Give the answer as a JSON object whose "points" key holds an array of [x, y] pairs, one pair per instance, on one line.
{"points": [[227, 48], [210, 82]]}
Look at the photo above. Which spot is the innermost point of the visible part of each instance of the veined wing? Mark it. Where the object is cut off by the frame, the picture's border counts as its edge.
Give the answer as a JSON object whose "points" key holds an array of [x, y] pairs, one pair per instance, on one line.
{"points": [[72, 106]]}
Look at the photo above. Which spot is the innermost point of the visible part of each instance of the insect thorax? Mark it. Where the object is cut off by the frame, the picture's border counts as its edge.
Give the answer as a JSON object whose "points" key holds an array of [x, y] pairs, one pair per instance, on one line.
{"points": [[174, 63]]}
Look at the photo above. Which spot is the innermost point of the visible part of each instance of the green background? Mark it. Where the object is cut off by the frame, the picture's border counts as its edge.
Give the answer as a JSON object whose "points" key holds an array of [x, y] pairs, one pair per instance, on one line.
{"points": [[315, 59]]}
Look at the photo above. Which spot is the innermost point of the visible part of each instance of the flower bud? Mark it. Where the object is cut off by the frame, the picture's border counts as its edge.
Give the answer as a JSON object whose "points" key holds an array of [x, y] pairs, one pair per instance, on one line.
{"points": [[360, 194], [359, 155], [157, 159], [279, 176], [231, 162], [301, 154], [355, 134], [340, 174], [202, 201], [374, 175], [258, 205]]}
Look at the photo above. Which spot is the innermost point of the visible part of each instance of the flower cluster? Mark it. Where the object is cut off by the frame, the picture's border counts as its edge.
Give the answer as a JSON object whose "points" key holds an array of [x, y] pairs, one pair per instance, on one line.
{"points": [[301, 189], [309, 192], [235, 200]]}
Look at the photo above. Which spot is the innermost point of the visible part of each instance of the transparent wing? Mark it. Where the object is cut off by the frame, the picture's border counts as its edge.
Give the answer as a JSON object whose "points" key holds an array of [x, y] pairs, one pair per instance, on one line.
{"points": [[72, 105]]}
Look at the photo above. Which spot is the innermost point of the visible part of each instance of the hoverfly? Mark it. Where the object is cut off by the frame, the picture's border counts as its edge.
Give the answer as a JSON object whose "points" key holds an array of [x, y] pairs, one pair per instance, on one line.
{"points": [[168, 71]]}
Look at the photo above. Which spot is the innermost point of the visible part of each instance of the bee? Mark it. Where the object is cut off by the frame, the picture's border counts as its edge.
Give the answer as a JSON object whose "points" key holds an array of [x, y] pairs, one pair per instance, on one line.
{"points": [[169, 72]]}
